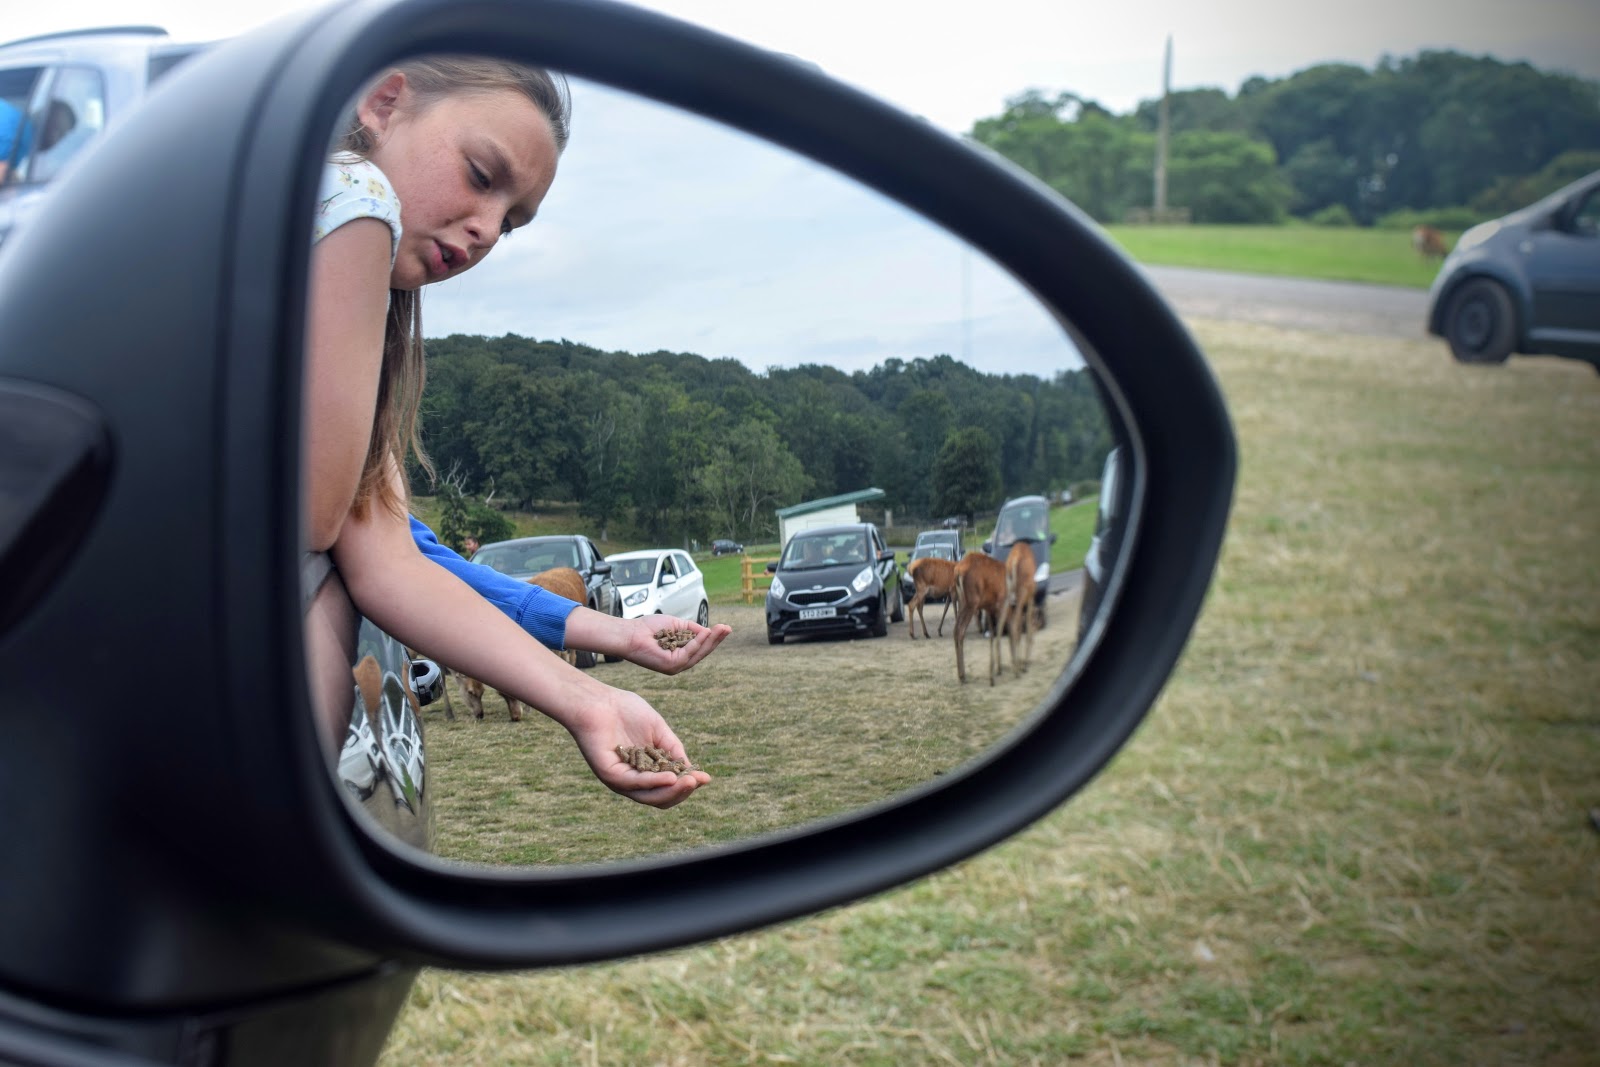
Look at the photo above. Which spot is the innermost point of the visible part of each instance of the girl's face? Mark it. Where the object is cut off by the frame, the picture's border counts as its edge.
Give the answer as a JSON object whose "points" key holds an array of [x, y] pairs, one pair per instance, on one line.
{"points": [[468, 169]]}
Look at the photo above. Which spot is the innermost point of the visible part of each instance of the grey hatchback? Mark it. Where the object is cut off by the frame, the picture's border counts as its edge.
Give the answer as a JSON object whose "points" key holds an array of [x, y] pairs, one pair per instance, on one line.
{"points": [[1528, 282]]}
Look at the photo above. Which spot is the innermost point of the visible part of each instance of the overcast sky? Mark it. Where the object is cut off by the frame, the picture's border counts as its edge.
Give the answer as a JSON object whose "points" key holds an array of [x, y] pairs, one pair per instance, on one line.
{"points": [[663, 233]]}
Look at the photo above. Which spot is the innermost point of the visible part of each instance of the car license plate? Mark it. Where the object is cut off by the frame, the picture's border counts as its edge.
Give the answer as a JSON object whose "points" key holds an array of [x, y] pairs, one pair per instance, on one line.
{"points": [[818, 613]]}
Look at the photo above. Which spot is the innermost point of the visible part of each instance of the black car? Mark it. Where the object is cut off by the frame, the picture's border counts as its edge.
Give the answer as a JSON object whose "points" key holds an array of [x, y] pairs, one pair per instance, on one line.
{"points": [[834, 580], [723, 547], [523, 557], [1528, 282], [1026, 518]]}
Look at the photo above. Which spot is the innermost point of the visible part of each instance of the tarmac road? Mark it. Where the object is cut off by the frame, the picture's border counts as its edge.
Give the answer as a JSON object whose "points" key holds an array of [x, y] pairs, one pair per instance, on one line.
{"points": [[1296, 303]]}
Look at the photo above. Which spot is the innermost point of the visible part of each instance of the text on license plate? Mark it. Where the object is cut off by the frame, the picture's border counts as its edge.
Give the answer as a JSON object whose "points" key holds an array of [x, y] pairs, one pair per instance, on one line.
{"points": [[818, 613]]}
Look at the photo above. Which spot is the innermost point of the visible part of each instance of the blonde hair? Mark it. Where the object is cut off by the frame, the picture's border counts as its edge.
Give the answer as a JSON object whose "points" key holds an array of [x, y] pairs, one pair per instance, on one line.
{"points": [[395, 421]]}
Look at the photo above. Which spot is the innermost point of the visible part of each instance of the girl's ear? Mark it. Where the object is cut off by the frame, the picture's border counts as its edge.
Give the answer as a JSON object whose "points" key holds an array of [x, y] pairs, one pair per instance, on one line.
{"points": [[381, 103]]}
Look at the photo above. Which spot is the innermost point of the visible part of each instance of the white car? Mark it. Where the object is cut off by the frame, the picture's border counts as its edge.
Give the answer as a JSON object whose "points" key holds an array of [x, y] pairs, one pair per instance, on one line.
{"points": [[660, 581]]}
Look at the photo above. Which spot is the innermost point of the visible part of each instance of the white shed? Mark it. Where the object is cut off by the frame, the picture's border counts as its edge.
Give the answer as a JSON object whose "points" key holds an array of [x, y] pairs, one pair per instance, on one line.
{"points": [[829, 511]]}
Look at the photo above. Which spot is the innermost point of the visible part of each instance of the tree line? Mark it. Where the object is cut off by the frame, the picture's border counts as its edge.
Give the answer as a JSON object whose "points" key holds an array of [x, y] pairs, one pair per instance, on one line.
{"points": [[1441, 136], [688, 447]]}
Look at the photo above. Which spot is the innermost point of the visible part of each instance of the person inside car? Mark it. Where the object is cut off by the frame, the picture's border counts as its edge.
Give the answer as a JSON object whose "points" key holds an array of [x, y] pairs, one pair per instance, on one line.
{"points": [[444, 157]]}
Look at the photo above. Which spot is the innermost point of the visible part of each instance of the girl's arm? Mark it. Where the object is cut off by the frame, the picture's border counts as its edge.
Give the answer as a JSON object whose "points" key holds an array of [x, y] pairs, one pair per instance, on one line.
{"points": [[430, 610]]}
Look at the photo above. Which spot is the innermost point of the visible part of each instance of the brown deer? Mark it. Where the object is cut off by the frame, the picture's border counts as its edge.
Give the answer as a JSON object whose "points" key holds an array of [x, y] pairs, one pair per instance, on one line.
{"points": [[563, 581], [1017, 618], [980, 587], [1428, 242], [933, 577]]}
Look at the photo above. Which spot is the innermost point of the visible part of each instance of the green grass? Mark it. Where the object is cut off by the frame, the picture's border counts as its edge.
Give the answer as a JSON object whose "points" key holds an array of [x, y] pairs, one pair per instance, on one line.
{"points": [[1353, 254], [1353, 830]]}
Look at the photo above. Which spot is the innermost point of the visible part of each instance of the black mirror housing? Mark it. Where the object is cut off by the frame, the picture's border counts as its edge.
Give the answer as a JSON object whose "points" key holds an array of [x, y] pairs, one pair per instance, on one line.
{"points": [[192, 363]]}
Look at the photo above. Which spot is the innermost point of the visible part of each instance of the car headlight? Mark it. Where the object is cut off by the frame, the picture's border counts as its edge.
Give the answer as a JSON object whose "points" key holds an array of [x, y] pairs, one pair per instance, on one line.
{"points": [[637, 597], [861, 581], [777, 589], [1042, 574]]}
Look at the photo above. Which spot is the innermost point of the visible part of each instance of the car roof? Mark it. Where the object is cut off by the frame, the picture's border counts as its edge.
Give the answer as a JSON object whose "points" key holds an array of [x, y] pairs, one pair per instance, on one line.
{"points": [[539, 539], [1020, 500], [843, 527], [642, 553], [105, 44]]}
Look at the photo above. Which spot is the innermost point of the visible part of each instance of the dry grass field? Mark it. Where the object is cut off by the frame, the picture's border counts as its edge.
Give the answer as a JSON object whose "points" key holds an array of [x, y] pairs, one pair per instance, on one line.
{"points": [[790, 733], [1354, 829]]}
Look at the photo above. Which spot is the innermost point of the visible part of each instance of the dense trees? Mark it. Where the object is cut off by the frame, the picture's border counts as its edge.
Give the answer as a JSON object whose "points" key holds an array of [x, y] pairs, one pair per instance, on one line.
{"points": [[1440, 130], [686, 447]]}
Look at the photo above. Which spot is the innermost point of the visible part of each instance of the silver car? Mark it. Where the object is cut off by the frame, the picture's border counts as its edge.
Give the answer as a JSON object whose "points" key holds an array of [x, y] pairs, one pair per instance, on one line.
{"points": [[59, 92]]}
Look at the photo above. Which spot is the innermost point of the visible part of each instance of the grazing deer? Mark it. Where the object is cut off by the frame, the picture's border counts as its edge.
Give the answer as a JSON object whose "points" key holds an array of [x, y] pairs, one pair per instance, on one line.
{"points": [[933, 577], [980, 587], [1428, 242]]}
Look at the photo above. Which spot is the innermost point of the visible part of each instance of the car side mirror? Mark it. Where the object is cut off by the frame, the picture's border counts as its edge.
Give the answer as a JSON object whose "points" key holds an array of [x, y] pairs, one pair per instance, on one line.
{"points": [[772, 567], [886, 556], [202, 410], [669, 579], [601, 567]]}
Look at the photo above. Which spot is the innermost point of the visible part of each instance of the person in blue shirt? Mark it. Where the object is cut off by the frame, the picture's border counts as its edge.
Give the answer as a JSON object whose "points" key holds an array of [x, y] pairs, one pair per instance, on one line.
{"points": [[12, 127]]}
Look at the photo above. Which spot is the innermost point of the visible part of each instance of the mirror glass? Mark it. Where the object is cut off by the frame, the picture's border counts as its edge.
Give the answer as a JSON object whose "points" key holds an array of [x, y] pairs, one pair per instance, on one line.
{"points": [[711, 348]]}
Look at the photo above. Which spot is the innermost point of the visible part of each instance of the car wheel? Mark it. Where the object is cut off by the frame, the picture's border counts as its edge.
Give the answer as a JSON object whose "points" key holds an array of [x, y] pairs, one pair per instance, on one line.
{"points": [[1038, 612], [880, 625], [774, 639], [899, 614], [1481, 323], [703, 616]]}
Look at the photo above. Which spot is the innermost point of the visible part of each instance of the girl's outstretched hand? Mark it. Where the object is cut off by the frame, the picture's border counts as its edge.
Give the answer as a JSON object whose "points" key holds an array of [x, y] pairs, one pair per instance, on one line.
{"points": [[627, 721], [637, 641], [644, 646]]}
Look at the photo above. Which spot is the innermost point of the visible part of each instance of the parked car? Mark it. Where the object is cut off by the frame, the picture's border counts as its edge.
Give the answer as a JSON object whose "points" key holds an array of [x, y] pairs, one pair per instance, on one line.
{"points": [[951, 538], [523, 557], [660, 581], [1026, 518], [923, 550], [257, 915], [1107, 540], [59, 92], [723, 547], [834, 580], [1528, 282]]}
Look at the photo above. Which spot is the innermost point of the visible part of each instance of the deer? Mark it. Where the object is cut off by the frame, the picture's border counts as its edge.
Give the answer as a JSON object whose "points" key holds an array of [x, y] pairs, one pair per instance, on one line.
{"points": [[1428, 242], [980, 587], [933, 577], [563, 581], [1018, 610]]}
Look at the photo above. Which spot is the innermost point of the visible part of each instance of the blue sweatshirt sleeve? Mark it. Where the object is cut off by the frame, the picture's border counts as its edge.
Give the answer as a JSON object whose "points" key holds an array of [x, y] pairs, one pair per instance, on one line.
{"points": [[541, 613]]}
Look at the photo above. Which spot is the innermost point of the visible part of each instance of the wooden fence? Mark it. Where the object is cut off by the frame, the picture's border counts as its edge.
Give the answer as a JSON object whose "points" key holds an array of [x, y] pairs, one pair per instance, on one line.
{"points": [[749, 576]]}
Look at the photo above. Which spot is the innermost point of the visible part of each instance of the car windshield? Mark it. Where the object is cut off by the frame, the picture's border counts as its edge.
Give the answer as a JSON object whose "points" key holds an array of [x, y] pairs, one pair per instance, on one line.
{"points": [[1030, 521], [633, 571], [526, 558], [936, 551], [825, 550]]}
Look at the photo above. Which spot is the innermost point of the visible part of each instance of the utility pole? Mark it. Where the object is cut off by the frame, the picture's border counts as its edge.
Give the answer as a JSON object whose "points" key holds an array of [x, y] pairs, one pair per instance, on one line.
{"points": [[1159, 214]]}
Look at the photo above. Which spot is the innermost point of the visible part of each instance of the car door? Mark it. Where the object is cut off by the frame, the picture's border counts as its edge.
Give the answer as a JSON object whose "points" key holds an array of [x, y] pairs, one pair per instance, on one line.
{"points": [[597, 573], [1564, 273], [684, 596]]}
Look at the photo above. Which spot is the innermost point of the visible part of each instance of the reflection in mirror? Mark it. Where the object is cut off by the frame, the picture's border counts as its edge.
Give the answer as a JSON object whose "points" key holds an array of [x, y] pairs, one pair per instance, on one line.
{"points": [[706, 358]]}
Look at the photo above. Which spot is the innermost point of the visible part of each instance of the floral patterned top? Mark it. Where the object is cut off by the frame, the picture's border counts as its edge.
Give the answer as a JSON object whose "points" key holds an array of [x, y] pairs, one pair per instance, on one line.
{"points": [[353, 188]]}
